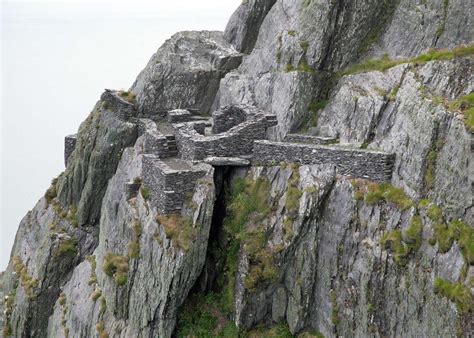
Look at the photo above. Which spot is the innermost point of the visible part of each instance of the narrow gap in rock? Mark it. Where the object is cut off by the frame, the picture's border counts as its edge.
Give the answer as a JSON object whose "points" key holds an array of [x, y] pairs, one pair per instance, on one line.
{"points": [[215, 256]]}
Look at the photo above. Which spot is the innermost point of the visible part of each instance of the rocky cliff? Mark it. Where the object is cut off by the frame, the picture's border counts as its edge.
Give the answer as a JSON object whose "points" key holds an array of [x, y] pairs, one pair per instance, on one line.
{"points": [[281, 249]]}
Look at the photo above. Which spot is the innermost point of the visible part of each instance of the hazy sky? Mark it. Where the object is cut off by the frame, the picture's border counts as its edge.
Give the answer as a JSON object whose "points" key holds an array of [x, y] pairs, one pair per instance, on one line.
{"points": [[56, 59]]}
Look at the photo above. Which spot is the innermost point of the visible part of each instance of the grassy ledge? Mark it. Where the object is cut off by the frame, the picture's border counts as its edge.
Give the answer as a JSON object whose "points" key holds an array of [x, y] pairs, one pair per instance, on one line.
{"points": [[385, 62]]}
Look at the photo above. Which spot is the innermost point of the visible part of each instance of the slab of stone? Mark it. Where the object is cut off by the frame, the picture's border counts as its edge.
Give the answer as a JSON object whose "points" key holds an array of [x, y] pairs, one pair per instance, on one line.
{"points": [[310, 139], [227, 161]]}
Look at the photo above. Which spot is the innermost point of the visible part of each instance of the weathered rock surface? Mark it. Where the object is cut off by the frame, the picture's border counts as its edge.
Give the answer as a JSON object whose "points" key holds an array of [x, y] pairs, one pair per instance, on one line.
{"points": [[100, 142], [185, 73], [159, 275], [333, 274], [242, 29], [400, 111], [94, 257]]}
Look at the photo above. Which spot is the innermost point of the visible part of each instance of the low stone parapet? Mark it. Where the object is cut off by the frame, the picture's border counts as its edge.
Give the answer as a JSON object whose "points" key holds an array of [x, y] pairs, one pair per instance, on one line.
{"points": [[179, 115], [309, 139], [235, 142], [359, 163], [227, 161]]}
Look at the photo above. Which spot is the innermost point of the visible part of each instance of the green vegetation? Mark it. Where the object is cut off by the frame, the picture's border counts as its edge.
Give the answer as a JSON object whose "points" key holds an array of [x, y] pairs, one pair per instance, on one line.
{"points": [[146, 193], [51, 193], [276, 331], [304, 45], [314, 108], [446, 234], [96, 295], [116, 266], [431, 164], [293, 194], [180, 229], [28, 283], [465, 104], [385, 62], [292, 33], [303, 67], [127, 96], [289, 68], [102, 306], [248, 209], [64, 308], [202, 316], [67, 248], [442, 25], [378, 193], [464, 235], [8, 310], [457, 293], [72, 216], [335, 317], [134, 244], [402, 245], [93, 276], [100, 328]]}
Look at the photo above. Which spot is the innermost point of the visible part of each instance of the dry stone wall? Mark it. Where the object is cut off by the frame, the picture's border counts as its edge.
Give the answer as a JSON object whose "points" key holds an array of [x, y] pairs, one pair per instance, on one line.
{"points": [[360, 163], [169, 183], [237, 141]]}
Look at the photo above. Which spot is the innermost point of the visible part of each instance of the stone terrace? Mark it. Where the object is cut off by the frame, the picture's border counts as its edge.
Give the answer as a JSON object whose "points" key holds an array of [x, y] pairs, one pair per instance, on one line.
{"points": [[179, 148]]}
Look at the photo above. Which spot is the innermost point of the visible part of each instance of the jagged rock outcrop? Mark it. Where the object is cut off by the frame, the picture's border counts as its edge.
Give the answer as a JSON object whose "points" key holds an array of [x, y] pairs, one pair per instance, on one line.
{"points": [[243, 27], [281, 243], [160, 271], [185, 73]]}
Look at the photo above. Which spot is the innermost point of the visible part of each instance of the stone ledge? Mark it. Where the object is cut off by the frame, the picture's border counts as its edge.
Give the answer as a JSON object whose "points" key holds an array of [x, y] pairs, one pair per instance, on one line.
{"points": [[227, 161], [309, 139]]}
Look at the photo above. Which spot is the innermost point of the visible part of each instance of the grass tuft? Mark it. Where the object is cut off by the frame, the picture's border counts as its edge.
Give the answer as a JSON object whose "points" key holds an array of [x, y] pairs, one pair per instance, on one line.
{"points": [[457, 293], [116, 266], [180, 229], [385, 62]]}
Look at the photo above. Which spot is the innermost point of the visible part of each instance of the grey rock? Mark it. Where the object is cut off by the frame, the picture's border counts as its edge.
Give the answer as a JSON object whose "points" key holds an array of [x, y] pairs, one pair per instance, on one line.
{"points": [[395, 112], [227, 161], [243, 27], [69, 145], [417, 26], [100, 142], [337, 277], [185, 73]]}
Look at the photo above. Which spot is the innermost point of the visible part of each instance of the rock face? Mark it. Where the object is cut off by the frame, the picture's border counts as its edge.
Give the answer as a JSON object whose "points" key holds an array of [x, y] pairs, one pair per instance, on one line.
{"points": [[160, 209], [242, 29], [185, 73]]}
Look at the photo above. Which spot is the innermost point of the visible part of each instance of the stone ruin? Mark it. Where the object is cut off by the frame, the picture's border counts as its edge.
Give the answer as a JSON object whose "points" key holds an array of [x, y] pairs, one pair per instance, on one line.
{"points": [[178, 147]]}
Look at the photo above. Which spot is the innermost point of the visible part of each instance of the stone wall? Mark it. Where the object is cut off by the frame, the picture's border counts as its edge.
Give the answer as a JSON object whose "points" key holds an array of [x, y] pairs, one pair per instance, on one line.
{"points": [[360, 163], [69, 145], [309, 139], [237, 141], [226, 118], [155, 142], [170, 183], [179, 115]]}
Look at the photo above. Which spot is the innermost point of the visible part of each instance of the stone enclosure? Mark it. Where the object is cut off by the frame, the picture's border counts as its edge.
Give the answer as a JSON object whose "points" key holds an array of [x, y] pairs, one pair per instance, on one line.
{"points": [[180, 148]]}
